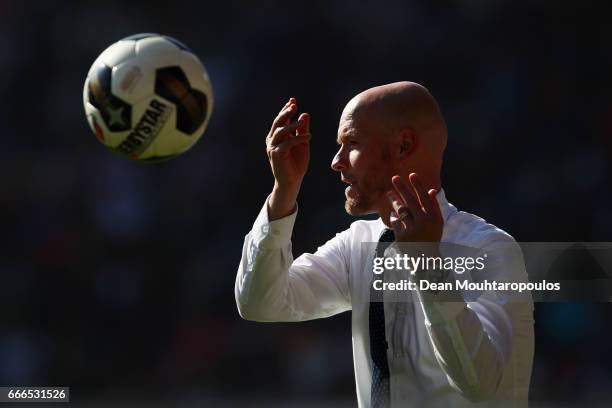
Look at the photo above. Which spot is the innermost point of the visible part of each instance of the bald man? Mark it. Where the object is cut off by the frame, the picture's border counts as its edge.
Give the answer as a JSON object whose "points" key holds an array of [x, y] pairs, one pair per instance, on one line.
{"points": [[420, 350]]}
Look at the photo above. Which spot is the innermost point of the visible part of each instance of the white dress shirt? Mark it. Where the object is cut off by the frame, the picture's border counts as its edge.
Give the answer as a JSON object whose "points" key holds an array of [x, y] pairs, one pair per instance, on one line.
{"points": [[441, 354]]}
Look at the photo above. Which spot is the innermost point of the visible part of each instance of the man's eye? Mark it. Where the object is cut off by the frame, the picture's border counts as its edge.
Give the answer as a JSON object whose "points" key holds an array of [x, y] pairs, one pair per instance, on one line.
{"points": [[350, 144]]}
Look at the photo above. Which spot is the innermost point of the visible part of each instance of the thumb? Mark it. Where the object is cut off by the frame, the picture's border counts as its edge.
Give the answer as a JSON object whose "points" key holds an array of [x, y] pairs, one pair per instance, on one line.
{"points": [[396, 224], [304, 126]]}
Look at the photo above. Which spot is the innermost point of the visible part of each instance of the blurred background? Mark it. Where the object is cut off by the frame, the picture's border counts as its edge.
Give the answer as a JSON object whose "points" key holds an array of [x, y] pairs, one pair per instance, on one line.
{"points": [[118, 277]]}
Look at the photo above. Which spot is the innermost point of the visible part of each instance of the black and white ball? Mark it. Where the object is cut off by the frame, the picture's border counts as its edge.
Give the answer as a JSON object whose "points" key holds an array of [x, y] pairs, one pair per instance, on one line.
{"points": [[148, 97]]}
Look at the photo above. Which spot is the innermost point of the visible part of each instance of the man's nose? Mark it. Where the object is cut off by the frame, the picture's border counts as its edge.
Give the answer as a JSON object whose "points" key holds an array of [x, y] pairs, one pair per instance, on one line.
{"points": [[338, 162]]}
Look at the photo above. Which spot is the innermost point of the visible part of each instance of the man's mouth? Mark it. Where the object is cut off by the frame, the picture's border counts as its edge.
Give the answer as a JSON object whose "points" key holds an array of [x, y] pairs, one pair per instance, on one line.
{"points": [[351, 190], [349, 182]]}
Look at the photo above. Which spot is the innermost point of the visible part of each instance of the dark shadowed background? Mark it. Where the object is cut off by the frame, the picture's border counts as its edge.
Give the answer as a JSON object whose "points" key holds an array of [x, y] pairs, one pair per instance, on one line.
{"points": [[117, 277]]}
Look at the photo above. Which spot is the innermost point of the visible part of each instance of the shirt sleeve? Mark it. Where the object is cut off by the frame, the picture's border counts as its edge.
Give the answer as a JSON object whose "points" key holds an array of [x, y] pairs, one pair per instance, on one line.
{"points": [[473, 339], [272, 286]]}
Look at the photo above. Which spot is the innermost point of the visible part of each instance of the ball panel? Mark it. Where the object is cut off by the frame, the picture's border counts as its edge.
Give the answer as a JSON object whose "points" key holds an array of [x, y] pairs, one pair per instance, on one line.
{"points": [[118, 53], [198, 78], [140, 36], [196, 72], [157, 52], [116, 114], [178, 43], [191, 104], [97, 125], [133, 81], [86, 92]]}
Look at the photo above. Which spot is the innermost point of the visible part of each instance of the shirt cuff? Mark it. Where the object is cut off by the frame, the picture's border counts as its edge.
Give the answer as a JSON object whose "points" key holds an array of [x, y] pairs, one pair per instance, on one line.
{"points": [[272, 234]]}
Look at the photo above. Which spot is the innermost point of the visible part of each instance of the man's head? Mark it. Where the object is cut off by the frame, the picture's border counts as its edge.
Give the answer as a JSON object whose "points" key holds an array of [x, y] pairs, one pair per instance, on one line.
{"points": [[386, 130]]}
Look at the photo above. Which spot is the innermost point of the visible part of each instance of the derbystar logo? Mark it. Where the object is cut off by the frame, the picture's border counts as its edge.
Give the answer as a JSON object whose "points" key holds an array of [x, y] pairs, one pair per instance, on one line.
{"points": [[154, 118]]}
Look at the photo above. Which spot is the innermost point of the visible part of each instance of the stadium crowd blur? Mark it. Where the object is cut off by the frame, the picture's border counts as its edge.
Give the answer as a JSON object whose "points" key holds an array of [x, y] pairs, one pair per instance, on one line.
{"points": [[117, 277]]}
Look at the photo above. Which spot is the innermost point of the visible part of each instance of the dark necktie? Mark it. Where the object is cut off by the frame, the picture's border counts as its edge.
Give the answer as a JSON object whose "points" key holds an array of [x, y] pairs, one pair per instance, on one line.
{"points": [[380, 396]]}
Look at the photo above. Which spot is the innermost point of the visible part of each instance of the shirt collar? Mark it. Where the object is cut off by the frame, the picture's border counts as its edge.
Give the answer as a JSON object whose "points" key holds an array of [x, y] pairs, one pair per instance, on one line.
{"points": [[445, 207]]}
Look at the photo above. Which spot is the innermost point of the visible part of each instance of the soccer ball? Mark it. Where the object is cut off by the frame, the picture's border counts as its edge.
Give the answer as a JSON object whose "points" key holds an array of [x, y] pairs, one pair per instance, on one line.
{"points": [[147, 97]]}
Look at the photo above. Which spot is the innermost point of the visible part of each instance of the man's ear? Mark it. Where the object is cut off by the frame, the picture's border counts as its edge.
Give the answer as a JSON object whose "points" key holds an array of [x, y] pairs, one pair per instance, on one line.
{"points": [[407, 143]]}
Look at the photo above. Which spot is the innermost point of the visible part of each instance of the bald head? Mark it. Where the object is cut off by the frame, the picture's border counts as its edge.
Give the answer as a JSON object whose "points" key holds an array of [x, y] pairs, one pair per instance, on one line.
{"points": [[388, 109], [389, 130]]}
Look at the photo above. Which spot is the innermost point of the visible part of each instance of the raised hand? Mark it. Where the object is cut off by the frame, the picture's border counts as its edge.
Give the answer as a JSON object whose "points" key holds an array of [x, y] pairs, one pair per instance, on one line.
{"points": [[287, 145], [416, 215], [288, 149]]}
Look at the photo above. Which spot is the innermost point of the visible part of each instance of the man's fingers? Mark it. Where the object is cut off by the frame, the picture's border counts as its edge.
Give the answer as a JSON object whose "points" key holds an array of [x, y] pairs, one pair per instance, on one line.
{"points": [[287, 145], [436, 206], [396, 224], [401, 210], [284, 115], [305, 126], [290, 101], [425, 197], [279, 135], [404, 192], [422, 195]]}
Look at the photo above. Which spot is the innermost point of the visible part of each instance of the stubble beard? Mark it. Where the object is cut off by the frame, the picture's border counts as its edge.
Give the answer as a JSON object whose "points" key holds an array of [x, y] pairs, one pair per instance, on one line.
{"points": [[367, 197], [365, 201]]}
